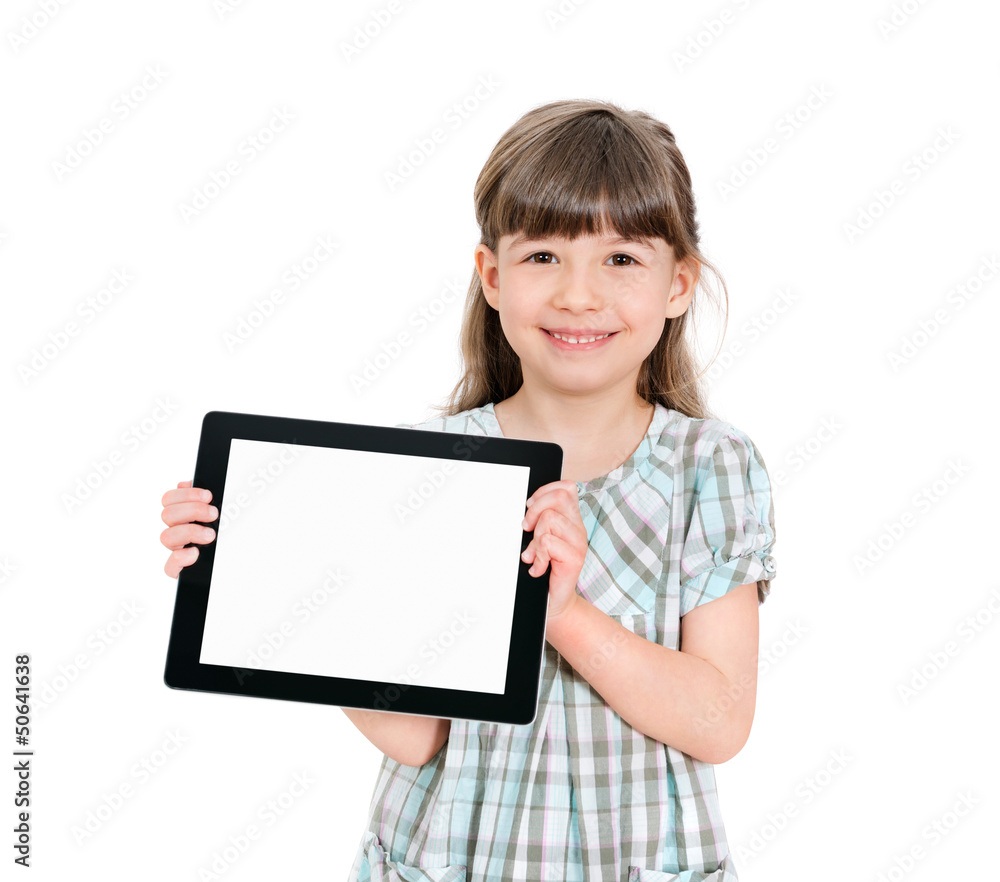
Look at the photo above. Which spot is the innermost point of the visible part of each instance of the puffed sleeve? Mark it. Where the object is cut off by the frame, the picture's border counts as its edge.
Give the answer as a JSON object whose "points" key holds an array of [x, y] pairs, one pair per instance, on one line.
{"points": [[731, 529]]}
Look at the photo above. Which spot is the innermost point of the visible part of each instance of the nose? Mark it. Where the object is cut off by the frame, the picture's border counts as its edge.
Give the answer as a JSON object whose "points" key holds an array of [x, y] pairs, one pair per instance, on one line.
{"points": [[579, 289]]}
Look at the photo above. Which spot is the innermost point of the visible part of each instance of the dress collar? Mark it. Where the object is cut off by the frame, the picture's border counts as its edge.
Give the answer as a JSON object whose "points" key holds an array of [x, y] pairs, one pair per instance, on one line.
{"points": [[640, 455]]}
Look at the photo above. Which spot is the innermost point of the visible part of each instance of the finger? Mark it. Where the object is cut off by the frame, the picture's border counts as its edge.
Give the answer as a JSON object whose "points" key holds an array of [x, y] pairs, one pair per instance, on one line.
{"points": [[185, 512], [543, 545], [568, 486], [551, 520], [175, 538], [180, 559], [556, 550], [186, 494], [538, 563], [560, 499]]}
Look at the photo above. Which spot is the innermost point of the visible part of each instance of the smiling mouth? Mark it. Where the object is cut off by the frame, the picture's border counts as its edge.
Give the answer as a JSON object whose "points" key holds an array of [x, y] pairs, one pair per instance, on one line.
{"points": [[570, 338]]}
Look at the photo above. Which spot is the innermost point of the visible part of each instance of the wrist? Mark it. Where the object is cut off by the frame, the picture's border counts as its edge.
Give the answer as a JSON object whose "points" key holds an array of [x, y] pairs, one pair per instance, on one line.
{"points": [[564, 621]]}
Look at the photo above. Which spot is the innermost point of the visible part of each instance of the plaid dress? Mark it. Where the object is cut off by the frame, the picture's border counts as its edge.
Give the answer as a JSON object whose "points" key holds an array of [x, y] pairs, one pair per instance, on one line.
{"points": [[579, 795]]}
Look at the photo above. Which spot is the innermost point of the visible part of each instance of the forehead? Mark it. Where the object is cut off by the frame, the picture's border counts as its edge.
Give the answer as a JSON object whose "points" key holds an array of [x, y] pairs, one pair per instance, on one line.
{"points": [[651, 244]]}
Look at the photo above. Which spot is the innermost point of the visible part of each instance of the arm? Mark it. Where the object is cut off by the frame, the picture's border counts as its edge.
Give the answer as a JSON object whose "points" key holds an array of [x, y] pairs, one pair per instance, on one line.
{"points": [[408, 739], [699, 699]]}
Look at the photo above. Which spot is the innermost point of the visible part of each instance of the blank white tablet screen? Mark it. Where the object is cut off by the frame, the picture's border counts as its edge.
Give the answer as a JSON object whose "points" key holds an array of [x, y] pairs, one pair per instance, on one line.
{"points": [[370, 566]]}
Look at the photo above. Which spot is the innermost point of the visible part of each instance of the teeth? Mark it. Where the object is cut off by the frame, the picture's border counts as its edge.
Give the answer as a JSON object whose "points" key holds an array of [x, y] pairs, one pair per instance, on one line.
{"points": [[578, 339]]}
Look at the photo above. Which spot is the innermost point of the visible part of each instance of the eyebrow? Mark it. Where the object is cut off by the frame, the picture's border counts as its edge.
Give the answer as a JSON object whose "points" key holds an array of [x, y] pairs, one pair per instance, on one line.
{"points": [[617, 240]]}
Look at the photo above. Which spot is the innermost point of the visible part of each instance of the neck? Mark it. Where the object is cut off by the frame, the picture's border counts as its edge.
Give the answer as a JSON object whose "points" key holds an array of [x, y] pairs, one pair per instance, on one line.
{"points": [[596, 432]]}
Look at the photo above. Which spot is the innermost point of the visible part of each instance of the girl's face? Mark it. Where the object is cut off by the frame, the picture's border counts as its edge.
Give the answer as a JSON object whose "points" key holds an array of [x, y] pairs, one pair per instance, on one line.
{"points": [[587, 287]]}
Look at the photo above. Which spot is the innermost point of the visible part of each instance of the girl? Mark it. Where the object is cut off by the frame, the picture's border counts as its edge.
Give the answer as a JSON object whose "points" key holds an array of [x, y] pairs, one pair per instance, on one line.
{"points": [[658, 537]]}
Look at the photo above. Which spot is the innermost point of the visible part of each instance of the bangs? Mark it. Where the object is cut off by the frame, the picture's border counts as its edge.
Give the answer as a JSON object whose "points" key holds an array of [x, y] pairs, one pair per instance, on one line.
{"points": [[595, 177]]}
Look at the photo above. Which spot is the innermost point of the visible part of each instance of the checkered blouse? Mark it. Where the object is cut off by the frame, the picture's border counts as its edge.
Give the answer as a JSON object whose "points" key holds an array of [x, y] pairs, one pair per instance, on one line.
{"points": [[579, 795]]}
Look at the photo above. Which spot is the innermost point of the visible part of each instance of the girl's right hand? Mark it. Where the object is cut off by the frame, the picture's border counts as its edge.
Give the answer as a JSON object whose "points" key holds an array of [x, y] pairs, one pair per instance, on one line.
{"points": [[181, 507]]}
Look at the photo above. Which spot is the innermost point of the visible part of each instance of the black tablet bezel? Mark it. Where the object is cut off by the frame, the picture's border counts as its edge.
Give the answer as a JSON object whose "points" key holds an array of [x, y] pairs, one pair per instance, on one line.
{"points": [[518, 703]]}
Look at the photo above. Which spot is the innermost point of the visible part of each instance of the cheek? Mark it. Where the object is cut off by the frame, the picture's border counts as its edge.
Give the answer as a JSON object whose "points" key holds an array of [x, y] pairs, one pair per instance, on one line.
{"points": [[645, 315], [516, 326], [516, 312], [639, 283]]}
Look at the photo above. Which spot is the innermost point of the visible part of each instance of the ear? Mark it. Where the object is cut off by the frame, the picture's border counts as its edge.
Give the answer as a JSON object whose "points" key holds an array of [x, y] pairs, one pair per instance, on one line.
{"points": [[686, 274], [489, 274]]}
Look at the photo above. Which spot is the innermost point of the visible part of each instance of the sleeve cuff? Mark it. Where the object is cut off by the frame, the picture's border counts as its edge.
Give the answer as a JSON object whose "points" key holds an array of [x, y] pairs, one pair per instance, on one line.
{"points": [[755, 566]]}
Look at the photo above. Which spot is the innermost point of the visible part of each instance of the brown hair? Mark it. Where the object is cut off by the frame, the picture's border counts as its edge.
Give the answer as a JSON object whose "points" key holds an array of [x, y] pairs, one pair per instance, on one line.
{"points": [[568, 168]]}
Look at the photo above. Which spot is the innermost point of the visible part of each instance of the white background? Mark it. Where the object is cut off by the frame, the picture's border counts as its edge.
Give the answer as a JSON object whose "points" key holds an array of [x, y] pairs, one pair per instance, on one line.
{"points": [[854, 439]]}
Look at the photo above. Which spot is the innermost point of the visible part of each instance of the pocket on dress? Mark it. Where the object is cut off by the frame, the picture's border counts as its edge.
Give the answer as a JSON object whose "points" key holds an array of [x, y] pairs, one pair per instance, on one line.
{"points": [[724, 873], [381, 869]]}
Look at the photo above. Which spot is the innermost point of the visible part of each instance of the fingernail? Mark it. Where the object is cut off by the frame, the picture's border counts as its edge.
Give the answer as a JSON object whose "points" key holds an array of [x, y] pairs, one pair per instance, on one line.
{"points": [[524, 524]]}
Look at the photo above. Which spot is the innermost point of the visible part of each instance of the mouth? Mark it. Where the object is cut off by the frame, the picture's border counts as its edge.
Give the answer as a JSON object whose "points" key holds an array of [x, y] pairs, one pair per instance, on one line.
{"points": [[582, 338]]}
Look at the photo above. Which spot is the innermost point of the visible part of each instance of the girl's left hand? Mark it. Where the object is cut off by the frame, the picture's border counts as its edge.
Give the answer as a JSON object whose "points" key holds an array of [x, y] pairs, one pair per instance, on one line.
{"points": [[560, 538]]}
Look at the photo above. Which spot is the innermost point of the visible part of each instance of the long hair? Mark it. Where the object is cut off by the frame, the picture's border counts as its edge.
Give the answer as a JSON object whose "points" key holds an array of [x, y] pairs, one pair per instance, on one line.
{"points": [[564, 169]]}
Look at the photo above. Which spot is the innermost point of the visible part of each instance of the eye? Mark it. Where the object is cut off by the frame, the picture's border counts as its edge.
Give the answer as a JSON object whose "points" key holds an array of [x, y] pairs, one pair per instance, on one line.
{"points": [[531, 257], [626, 256]]}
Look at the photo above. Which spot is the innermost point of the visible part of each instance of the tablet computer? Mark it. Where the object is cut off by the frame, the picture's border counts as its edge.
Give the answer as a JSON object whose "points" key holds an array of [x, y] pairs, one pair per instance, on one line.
{"points": [[365, 566]]}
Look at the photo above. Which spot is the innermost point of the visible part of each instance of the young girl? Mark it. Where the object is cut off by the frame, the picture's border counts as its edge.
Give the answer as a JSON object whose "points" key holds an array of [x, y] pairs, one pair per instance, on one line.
{"points": [[658, 537]]}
